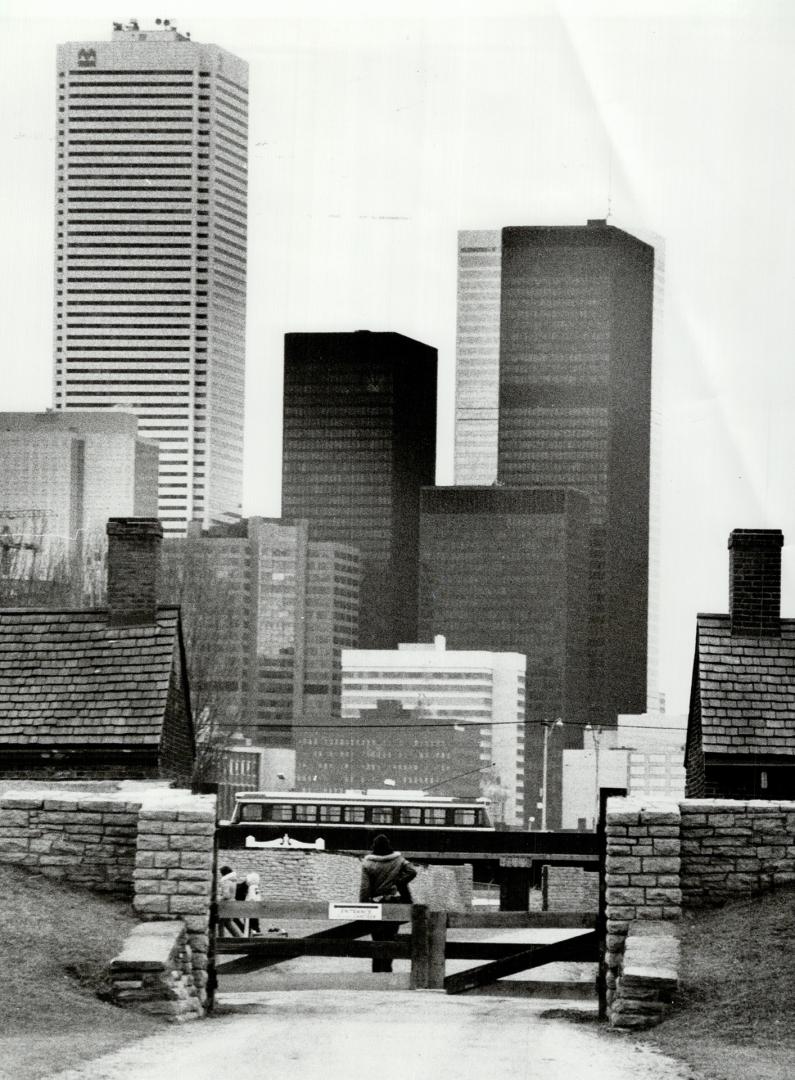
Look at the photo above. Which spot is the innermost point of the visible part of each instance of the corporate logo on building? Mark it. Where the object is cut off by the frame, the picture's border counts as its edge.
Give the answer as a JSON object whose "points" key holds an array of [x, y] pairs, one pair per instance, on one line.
{"points": [[87, 58]]}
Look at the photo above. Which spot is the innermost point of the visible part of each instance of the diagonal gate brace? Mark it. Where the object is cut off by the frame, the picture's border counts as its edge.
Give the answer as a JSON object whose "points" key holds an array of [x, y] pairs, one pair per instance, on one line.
{"points": [[582, 947], [257, 961]]}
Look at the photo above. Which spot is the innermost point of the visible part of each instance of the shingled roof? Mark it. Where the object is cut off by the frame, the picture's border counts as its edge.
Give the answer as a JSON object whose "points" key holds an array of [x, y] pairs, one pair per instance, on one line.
{"points": [[746, 689], [70, 678]]}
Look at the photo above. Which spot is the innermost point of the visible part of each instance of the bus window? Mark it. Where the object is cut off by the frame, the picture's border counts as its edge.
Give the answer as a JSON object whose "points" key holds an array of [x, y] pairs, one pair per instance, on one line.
{"points": [[354, 815], [305, 813], [435, 815], [464, 817], [251, 811], [382, 815], [281, 812], [410, 815], [331, 813]]}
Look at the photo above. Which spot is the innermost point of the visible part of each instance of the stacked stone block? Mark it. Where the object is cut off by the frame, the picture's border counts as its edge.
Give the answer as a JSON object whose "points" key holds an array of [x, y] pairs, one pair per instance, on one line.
{"points": [[173, 873], [648, 975], [643, 883], [732, 848], [154, 972], [82, 839], [323, 875], [569, 888]]}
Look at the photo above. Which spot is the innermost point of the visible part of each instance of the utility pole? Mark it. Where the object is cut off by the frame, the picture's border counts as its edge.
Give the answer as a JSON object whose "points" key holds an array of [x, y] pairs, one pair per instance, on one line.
{"points": [[548, 726]]}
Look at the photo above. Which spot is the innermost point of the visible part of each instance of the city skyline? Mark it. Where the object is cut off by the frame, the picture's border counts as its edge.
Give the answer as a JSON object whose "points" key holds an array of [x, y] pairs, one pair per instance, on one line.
{"points": [[371, 168]]}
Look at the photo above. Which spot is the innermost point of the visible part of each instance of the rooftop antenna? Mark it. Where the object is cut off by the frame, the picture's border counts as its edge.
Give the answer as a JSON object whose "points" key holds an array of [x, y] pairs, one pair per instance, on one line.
{"points": [[609, 183]]}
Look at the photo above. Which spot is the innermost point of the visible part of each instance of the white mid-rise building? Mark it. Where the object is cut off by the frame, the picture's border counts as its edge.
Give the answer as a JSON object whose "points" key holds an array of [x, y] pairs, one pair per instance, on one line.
{"points": [[644, 754], [64, 474], [150, 273], [433, 718]]}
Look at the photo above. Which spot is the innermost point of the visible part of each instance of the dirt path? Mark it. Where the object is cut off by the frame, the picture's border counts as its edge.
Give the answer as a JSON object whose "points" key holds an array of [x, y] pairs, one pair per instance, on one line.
{"points": [[322, 1035]]}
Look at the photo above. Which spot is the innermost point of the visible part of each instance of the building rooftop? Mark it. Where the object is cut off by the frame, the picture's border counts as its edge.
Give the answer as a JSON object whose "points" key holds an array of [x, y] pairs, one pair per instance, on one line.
{"points": [[69, 678], [746, 687]]}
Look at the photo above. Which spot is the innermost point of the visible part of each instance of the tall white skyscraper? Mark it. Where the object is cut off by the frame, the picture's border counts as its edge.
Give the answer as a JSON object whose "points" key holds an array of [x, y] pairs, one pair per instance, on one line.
{"points": [[150, 276], [477, 347]]}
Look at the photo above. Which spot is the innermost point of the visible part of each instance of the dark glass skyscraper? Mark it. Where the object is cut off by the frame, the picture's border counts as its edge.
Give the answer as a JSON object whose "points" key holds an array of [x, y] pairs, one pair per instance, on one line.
{"points": [[553, 389], [359, 443], [575, 412], [507, 569]]}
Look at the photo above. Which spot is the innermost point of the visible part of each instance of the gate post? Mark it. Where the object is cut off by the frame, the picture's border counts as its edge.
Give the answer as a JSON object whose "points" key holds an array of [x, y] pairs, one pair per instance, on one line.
{"points": [[419, 947], [601, 921], [428, 941], [437, 941]]}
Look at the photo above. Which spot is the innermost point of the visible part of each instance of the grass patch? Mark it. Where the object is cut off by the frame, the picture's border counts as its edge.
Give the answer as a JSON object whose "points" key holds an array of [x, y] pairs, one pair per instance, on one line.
{"points": [[733, 1017], [55, 945]]}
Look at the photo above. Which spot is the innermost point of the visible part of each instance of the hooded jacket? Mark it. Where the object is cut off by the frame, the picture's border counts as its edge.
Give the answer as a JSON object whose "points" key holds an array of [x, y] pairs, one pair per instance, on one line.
{"points": [[381, 875]]}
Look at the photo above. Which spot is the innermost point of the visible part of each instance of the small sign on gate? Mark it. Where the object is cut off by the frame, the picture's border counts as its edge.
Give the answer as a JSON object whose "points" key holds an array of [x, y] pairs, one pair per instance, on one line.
{"points": [[369, 912]]}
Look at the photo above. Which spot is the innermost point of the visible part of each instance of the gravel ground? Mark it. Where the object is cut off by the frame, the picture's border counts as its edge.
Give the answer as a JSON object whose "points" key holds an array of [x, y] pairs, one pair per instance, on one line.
{"points": [[391, 1035]]}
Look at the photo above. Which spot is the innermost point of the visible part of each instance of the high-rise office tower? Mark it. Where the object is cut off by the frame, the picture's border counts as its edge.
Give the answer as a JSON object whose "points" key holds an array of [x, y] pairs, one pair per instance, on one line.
{"points": [[573, 381], [359, 443], [150, 275], [507, 569], [267, 614], [477, 357]]}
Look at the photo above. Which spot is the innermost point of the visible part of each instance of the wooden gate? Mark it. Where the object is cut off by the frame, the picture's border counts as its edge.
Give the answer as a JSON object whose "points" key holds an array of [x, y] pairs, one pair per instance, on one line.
{"points": [[426, 945]]}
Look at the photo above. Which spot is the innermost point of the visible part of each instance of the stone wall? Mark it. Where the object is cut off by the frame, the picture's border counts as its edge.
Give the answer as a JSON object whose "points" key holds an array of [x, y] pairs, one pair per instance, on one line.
{"points": [[643, 884], [85, 839], [154, 972], [732, 848], [569, 888], [324, 875], [156, 847], [174, 864]]}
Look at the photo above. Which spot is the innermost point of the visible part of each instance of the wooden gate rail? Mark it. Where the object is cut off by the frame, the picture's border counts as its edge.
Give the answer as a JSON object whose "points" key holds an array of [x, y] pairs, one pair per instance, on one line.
{"points": [[426, 946], [582, 947]]}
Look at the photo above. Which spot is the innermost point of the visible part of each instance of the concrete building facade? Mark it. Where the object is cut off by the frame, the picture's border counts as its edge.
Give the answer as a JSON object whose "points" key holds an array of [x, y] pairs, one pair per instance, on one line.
{"points": [[272, 612], [644, 755], [64, 474], [150, 274], [359, 443]]}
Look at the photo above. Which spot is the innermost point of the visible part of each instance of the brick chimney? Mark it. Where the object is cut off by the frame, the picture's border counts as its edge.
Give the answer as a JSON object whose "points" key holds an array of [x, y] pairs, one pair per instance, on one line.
{"points": [[755, 582], [133, 570]]}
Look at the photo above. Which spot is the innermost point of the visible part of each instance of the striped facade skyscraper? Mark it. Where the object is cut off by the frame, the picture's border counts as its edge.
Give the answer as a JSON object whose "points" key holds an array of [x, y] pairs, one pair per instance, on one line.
{"points": [[150, 278]]}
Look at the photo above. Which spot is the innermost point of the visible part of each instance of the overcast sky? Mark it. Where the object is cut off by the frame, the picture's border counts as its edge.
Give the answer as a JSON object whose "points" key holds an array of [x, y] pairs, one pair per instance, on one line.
{"points": [[374, 139]]}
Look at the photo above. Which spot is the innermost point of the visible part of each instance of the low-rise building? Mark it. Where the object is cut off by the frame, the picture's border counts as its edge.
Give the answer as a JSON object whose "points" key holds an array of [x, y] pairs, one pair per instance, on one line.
{"points": [[644, 755]]}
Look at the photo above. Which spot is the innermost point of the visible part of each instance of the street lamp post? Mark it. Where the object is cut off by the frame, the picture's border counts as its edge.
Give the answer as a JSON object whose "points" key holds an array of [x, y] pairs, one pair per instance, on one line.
{"points": [[548, 726]]}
